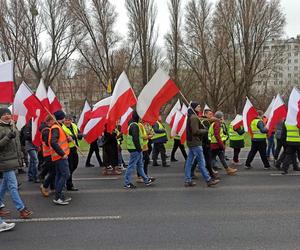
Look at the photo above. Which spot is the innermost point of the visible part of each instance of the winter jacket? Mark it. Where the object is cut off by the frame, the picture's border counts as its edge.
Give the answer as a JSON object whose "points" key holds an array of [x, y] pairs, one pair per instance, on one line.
{"points": [[194, 131]]}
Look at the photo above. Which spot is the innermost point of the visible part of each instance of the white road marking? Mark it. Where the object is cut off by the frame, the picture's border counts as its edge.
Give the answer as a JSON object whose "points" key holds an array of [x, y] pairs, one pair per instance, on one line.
{"points": [[109, 217], [279, 174], [95, 178]]}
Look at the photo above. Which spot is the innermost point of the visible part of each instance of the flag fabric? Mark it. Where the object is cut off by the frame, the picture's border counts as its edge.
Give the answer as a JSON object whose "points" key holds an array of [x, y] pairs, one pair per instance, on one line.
{"points": [[206, 108], [182, 131], [122, 98], [159, 90], [269, 109], [277, 114], [293, 114], [171, 116], [26, 103], [125, 119], [54, 103], [84, 116], [41, 94], [249, 114], [6, 82], [237, 122], [179, 121], [96, 125]]}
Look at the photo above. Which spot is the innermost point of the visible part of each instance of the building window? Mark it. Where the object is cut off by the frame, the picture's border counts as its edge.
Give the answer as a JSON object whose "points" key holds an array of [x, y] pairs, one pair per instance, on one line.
{"points": [[289, 75], [289, 61], [296, 61], [296, 54], [295, 67]]}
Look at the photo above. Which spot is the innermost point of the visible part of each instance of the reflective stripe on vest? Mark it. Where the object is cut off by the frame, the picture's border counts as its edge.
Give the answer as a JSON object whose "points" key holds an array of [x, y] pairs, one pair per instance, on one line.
{"points": [[211, 135], [256, 131], [159, 135], [144, 135], [46, 149], [233, 135], [62, 142], [129, 141], [292, 133], [69, 133]]}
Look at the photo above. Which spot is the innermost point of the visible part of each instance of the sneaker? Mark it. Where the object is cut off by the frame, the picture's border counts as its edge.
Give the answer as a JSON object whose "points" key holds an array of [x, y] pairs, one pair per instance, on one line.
{"points": [[139, 180], [44, 191], [25, 213], [189, 184], [61, 202], [129, 186], [248, 167], [67, 199], [173, 160], [121, 168], [4, 212], [6, 226], [285, 171], [72, 189], [212, 182], [150, 181]]}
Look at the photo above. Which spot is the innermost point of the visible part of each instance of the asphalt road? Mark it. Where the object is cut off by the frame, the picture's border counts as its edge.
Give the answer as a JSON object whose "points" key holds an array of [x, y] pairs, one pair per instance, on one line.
{"points": [[256, 209]]}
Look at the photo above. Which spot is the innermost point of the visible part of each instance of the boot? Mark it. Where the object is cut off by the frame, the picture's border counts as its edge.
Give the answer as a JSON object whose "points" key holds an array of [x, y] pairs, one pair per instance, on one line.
{"points": [[25, 213], [116, 171], [107, 171], [231, 171]]}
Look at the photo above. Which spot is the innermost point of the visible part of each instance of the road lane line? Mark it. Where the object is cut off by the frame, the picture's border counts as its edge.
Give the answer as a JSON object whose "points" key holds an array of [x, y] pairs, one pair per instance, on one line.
{"points": [[95, 178]]}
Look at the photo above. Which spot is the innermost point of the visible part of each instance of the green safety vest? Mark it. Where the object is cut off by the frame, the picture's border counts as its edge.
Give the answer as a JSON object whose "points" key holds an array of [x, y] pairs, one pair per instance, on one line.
{"points": [[292, 133], [119, 139], [177, 137], [211, 135], [255, 130], [143, 134], [129, 141], [159, 135], [69, 133], [233, 135]]}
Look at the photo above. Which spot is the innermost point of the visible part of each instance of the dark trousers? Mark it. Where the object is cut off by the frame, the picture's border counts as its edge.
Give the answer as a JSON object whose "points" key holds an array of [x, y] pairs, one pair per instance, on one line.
{"points": [[146, 160], [73, 164], [50, 178], [177, 144], [62, 175], [159, 148], [149, 147], [207, 157], [290, 156], [221, 154], [236, 152], [261, 147], [278, 149], [93, 148]]}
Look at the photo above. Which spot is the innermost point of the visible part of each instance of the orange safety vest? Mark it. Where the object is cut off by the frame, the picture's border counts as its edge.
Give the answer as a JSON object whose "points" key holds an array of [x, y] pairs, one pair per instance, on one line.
{"points": [[46, 149], [62, 142]]}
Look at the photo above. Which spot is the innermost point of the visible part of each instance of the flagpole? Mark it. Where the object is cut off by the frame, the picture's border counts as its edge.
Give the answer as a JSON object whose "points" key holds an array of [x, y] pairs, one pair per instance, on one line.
{"points": [[188, 103]]}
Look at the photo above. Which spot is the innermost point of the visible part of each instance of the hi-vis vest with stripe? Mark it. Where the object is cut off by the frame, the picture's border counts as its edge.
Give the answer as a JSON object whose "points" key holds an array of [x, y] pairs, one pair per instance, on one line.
{"points": [[129, 141], [211, 135], [233, 135], [46, 149], [159, 135], [144, 136], [292, 133], [256, 131], [69, 133], [62, 142]]}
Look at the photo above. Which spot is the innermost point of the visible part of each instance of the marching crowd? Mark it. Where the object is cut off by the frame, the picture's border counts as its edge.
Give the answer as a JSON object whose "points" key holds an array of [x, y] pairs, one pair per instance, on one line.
{"points": [[54, 163]]}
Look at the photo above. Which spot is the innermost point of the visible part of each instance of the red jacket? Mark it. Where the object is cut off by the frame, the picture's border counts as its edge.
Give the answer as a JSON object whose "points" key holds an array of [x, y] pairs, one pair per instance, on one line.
{"points": [[219, 144]]}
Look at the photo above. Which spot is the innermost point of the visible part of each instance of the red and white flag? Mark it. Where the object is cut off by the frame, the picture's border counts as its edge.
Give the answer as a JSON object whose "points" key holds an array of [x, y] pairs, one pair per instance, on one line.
{"points": [[249, 114], [171, 116], [179, 126], [277, 114], [125, 119], [237, 122], [182, 131], [20, 120], [159, 90], [6, 82], [26, 103], [95, 126], [84, 116], [53, 101], [122, 98], [269, 109], [293, 115]]}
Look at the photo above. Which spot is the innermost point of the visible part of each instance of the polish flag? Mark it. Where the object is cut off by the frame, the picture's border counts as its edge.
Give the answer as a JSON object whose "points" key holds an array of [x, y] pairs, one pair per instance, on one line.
{"points": [[14, 117], [6, 82], [159, 90], [41, 94], [95, 126], [171, 116], [26, 103], [179, 120], [269, 109], [84, 116], [122, 98], [20, 120], [182, 131], [277, 114], [293, 115], [53, 101], [249, 114], [125, 119], [237, 122]]}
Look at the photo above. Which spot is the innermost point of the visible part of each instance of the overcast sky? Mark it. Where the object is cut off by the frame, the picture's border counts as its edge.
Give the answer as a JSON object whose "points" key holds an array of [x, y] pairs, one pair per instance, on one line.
{"points": [[291, 8]]}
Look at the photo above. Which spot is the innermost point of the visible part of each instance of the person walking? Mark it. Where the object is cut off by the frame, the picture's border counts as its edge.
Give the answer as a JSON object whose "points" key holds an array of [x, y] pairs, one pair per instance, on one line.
{"points": [[177, 144], [10, 159], [94, 148], [237, 142]]}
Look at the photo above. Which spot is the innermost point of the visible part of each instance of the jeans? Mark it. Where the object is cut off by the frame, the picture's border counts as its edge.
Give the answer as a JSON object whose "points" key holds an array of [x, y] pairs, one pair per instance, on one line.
{"points": [[196, 152], [33, 165], [62, 175], [271, 146], [10, 183], [135, 161]]}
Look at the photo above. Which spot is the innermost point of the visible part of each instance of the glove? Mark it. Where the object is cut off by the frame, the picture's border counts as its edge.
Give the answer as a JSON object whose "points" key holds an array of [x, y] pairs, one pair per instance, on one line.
{"points": [[11, 134]]}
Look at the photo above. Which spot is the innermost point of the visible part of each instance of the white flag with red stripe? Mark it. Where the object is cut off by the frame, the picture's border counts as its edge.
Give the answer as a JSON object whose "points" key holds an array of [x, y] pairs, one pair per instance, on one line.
{"points": [[125, 119], [84, 116], [95, 126], [53, 101], [182, 131], [179, 126], [171, 116], [6, 82], [159, 90], [269, 109], [277, 114], [237, 122], [249, 114], [293, 115], [20, 120], [122, 98]]}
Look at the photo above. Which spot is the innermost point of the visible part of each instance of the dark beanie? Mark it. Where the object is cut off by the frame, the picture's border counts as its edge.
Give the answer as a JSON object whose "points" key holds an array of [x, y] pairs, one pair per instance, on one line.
{"points": [[135, 116], [59, 115], [194, 105], [4, 111]]}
